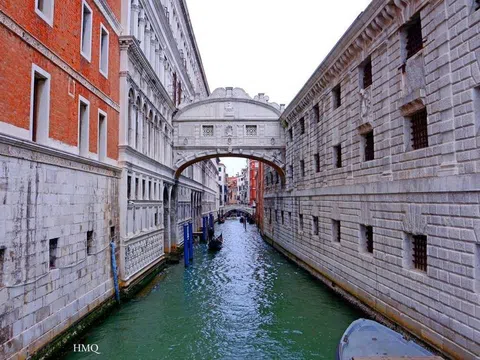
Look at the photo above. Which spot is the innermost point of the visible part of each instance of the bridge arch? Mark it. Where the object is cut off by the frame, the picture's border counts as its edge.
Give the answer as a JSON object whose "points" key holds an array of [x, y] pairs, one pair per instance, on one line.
{"points": [[229, 123]]}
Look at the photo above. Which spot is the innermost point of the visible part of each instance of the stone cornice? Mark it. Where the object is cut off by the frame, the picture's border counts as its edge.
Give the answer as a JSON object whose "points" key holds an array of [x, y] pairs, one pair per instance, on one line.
{"points": [[133, 47], [109, 15], [31, 151], [195, 45], [364, 31]]}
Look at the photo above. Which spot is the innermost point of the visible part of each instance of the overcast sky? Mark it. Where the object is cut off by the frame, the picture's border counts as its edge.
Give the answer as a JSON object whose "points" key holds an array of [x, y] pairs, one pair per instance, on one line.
{"points": [[269, 46]]}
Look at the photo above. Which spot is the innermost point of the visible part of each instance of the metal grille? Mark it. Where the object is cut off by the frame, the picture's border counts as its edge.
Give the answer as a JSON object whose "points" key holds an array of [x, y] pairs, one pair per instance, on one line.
{"points": [[300, 218], [367, 74], [316, 159], [420, 252], [302, 126], [336, 230], [338, 156], [251, 130], [52, 247], [337, 96], [419, 130], [369, 238], [315, 225], [414, 37], [207, 130], [369, 146]]}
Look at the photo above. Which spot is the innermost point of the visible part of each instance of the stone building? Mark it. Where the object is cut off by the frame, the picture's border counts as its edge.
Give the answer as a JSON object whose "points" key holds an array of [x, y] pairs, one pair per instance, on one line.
{"points": [[381, 198], [160, 69], [58, 159], [222, 184]]}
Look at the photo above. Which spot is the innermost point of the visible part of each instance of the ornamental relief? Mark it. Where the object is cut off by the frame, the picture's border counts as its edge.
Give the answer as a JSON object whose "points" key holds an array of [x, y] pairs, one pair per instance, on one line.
{"points": [[365, 104]]}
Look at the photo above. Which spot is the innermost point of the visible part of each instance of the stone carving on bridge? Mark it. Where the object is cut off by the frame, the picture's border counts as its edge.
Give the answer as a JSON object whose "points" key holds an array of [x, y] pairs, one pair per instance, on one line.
{"points": [[254, 131]]}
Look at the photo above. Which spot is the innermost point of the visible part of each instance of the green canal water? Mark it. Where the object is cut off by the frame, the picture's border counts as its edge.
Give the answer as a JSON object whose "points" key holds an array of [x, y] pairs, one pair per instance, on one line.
{"points": [[244, 302]]}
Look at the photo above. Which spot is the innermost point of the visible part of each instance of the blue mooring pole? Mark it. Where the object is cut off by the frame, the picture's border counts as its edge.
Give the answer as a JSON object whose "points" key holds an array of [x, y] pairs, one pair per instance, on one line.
{"points": [[185, 245], [114, 270], [190, 237], [204, 228]]}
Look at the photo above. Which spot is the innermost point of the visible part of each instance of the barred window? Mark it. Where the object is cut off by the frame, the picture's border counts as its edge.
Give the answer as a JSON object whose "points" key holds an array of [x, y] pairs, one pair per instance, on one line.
{"points": [[283, 218], [337, 96], [300, 221], [317, 112], [290, 134], [276, 216], [337, 156], [413, 31], [367, 73], [89, 242], [315, 225], [251, 130], [302, 126], [336, 231], [52, 252], [302, 167], [207, 130], [369, 146], [419, 130], [419, 252], [316, 160]]}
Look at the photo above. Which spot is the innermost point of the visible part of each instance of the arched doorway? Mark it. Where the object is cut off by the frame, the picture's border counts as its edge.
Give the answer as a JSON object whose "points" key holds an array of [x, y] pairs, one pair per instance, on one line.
{"points": [[166, 220]]}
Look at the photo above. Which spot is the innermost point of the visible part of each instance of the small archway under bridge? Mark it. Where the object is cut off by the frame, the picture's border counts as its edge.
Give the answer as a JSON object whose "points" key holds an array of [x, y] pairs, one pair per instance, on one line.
{"points": [[229, 123]]}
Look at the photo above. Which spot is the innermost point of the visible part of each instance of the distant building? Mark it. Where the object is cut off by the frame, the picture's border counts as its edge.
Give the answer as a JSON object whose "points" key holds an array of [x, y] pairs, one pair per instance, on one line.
{"points": [[232, 195], [252, 181], [222, 184]]}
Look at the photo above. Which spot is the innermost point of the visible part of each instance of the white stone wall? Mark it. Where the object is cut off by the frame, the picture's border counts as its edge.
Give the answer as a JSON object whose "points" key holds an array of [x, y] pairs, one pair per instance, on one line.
{"points": [[45, 195], [432, 191]]}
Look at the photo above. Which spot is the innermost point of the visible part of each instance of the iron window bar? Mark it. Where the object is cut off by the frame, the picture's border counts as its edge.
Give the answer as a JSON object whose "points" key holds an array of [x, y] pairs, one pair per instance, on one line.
{"points": [[419, 130], [369, 238], [414, 37], [369, 146], [419, 253]]}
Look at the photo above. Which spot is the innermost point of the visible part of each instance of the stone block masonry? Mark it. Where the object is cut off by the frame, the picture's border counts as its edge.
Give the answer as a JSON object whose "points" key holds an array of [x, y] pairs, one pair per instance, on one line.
{"points": [[382, 181], [57, 217]]}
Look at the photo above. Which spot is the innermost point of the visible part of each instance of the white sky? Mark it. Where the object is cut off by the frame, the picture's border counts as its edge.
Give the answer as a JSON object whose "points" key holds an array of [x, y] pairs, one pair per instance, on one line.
{"points": [[270, 46]]}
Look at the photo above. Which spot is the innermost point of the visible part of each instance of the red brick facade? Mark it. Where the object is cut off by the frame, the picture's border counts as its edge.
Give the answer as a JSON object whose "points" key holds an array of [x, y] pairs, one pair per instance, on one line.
{"points": [[62, 41], [259, 210]]}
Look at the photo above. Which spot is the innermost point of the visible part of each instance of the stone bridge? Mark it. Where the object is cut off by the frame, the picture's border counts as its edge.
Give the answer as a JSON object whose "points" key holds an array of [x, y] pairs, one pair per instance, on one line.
{"points": [[229, 123], [243, 208]]}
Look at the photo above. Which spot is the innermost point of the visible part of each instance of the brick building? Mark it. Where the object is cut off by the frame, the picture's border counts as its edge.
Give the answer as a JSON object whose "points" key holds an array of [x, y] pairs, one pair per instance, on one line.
{"points": [[252, 181], [382, 196], [59, 109]]}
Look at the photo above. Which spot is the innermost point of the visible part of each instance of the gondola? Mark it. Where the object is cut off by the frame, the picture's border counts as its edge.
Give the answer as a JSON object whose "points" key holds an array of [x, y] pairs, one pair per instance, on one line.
{"points": [[366, 338], [216, 243]]}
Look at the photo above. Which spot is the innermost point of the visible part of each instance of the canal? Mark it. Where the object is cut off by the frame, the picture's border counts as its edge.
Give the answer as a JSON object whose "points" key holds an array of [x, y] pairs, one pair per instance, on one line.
{"points": [[244, 302]]}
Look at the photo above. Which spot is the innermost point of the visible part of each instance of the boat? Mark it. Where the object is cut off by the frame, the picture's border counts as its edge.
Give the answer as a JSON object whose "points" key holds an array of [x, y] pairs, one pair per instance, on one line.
{"points": [[216, 243], [221, 220], [368, 338], [242, 220]]}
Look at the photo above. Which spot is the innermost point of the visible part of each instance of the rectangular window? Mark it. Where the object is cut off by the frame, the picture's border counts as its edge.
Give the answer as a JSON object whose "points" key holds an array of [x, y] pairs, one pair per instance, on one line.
{"points": [[250, 130], [2, 265], [207, 130], [302, 167], [52, 253], [150, 189], [112, 233], [366, 73], [419, 130], [413, 35], [144, 189], [89, 242], [136, 188], [270, 216], [156, 218], [315, 225], [317, 112], [369, 148], [276, 216], [129, 187], [316, 160], [290, 218], [477, 267], [283, 218], [44, 9], [104, 49], [83, 126], [337, 156], [336, 231], [337, 96], [290, 172], [86, 32], [416, 252], [300, 221], [290, 134], [40, 105], [302, 126], [102, 135], [366, 238]]}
